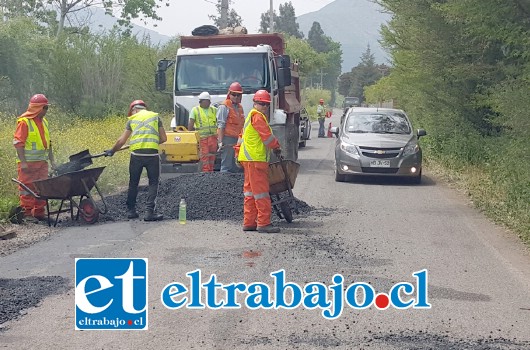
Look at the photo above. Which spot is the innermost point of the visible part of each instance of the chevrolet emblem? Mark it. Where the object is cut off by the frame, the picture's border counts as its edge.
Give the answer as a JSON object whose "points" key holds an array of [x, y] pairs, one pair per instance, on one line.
{"points": [[380, 152]]}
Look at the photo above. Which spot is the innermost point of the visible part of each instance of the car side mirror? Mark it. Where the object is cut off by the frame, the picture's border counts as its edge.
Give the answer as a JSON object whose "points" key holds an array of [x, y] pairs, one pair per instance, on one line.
{"points": [[421, 132], [335, 131]]}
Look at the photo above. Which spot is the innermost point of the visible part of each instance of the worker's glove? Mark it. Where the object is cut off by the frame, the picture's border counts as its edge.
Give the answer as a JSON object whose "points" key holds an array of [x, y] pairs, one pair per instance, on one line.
{"points": [[237, 163], [219, 146], [277, 152], [108, 153]]}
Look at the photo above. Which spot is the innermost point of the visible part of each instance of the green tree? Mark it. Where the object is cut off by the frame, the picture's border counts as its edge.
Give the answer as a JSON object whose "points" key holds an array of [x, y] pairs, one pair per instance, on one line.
{"points": [[328, 73], [317, 39], [364, 74], [233, 20], [284, 23], [23, 72], [127, 9], [308, 59], [264, 26]]}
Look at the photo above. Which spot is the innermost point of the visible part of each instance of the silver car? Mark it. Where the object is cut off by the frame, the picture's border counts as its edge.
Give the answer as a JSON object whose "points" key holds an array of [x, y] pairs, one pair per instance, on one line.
{"points": [[377, 141]]}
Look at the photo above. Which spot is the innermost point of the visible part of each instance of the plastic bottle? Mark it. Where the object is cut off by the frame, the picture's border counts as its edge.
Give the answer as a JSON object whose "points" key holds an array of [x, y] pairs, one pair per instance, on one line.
{"points": [[182, 211]]}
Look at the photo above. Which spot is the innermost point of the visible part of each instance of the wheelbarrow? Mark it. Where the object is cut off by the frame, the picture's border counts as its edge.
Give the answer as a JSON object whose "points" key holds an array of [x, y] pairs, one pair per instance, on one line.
{"points": [[282, 176], [79, 161], [67, 186]]}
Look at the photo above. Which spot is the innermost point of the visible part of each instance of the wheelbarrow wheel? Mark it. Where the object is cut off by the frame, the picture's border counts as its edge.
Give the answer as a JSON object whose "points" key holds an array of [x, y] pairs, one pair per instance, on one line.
{"points": [[88, 212], [286, 211]]}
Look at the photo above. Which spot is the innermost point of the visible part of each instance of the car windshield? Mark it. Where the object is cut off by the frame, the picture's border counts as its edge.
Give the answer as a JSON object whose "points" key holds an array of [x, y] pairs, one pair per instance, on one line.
{"points": [[351, 100], [214, 73], [378, 123]]}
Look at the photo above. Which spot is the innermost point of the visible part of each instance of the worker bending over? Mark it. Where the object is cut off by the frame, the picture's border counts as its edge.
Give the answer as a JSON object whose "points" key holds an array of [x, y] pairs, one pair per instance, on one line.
{"points": [[147, 132]]}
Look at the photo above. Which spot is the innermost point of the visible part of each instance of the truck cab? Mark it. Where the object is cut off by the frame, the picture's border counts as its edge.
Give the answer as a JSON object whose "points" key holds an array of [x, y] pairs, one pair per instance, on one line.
{"points": [[256, 61]]}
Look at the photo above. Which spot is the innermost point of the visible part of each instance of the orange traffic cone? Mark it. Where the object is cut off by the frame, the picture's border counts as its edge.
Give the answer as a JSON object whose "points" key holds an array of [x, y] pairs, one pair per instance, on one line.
{"points": [[329, 130]]}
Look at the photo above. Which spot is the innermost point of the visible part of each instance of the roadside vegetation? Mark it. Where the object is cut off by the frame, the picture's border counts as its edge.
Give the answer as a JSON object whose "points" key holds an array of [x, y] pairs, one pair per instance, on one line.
{"points": [[464, 77]]}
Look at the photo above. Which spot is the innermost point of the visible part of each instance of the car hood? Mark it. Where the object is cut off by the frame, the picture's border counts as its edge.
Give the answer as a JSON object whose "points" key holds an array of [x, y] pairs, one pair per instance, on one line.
{"points": [[377, 140]]}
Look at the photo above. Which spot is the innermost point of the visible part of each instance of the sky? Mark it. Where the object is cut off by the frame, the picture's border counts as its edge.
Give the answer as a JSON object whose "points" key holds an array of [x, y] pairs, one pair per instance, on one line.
{"points": [[181, 17]]}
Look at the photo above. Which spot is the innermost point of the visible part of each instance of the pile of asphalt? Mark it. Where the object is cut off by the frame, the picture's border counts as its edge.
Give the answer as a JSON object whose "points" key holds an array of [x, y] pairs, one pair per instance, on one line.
{"points": [[209, 196], [17, 295]]}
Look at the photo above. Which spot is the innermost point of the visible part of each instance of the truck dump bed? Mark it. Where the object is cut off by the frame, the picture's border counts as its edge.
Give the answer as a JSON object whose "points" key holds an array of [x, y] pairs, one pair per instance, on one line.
{"points": [[275, 40]]}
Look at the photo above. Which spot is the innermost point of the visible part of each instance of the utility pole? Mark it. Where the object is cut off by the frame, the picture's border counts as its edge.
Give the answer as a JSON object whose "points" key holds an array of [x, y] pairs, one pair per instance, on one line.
{"points": [[321, 77], [224, 14], [271, 18]]}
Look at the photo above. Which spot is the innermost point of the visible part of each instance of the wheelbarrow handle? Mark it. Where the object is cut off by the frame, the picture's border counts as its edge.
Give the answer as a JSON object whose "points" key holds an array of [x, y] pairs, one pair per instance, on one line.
{"points": [[26, 188], [103, 153]]}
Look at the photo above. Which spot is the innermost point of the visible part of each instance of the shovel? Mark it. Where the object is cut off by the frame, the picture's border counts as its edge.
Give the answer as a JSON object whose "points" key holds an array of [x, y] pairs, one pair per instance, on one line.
{"points": [[79, 161]]}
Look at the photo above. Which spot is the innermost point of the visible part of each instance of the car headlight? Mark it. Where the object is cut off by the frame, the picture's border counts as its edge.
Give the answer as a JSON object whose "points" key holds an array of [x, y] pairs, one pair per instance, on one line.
{"points": [[411, 148], [350, 149]]}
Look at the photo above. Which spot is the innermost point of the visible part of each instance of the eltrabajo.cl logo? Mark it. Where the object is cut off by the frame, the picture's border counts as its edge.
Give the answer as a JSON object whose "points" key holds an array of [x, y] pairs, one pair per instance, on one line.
{"points": [[111, 294]]}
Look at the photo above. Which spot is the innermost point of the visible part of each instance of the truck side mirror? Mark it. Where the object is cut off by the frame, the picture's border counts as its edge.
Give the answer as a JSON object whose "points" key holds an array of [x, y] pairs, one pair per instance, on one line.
{"points": [[160, 75], [284, 71], [160, 80]]}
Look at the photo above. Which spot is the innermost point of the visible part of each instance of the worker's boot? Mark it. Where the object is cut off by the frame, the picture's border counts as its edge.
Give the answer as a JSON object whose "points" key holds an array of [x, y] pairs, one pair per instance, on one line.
{"points": [[268, 229], [250, 228], [132, 214], [153, 216]]}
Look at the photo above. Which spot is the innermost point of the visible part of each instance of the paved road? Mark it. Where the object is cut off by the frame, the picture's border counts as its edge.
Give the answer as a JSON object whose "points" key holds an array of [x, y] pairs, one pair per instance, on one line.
{"points": [[378, 232]]}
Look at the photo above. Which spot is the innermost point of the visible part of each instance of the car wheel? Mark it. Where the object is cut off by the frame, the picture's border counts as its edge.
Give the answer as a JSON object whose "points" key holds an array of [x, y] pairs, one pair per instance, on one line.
{"points": [[339, 177], [301, 144]]}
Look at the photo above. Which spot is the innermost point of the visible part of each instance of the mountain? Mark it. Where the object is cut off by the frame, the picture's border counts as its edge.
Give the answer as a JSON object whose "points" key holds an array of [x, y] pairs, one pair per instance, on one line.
{"points": [[353, 23]]}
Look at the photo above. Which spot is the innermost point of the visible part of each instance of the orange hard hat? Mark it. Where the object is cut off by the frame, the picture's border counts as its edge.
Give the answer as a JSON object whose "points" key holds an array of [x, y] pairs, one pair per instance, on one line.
{"points": [[38, 98], [321, 100], [134, 104], [235, 87], [262, 96]]}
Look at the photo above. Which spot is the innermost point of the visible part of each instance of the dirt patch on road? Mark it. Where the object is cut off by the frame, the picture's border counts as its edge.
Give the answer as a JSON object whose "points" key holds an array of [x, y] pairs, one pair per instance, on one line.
{"points": [[23, 235]]}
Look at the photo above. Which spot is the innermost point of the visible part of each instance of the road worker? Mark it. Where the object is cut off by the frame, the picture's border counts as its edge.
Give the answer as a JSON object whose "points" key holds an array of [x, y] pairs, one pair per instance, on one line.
{"points": [[321, 115], [203, 119], [253, 155], [34, 149], [230, 120], [146, 132]]}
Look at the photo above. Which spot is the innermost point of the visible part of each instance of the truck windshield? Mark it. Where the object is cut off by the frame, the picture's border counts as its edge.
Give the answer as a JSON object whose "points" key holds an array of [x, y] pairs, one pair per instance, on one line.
{"points": [[215, 73]]}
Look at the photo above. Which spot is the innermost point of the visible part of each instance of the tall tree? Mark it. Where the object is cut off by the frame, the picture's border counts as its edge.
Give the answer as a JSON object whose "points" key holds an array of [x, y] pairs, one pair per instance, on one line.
{"points": [[233, 20], [317, 39], [287, 21], [284, 23], [365, 74], [265, 22], [329, 72]]}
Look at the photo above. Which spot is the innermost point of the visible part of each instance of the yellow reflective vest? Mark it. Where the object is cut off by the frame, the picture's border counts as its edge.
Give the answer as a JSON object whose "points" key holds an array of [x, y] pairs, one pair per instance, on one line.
{"points": [[34, 150], [252, 147], [205, 124], [144, 126]]}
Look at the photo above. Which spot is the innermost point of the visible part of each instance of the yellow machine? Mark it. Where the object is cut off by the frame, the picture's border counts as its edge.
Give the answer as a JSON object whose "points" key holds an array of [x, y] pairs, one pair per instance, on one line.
{"points": [[180, 153]]}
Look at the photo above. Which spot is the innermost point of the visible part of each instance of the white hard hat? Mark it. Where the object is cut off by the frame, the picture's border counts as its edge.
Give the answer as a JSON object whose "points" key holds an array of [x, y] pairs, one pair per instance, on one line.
{"points": [[204, 96]]}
